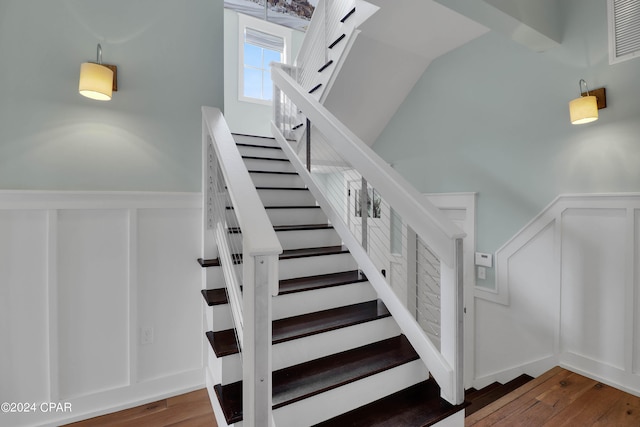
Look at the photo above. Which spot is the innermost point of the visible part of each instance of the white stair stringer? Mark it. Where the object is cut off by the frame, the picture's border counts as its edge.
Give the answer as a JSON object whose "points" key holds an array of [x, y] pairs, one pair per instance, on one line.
{"points": [[324, 406]]}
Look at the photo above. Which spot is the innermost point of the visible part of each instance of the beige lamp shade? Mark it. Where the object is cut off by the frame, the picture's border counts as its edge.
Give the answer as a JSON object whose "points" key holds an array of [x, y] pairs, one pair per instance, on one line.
{"points": [[96, 81], [583, 110]]}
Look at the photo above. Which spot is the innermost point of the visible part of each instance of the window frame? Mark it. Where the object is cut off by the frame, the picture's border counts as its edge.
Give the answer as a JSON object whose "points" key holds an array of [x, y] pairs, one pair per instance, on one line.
{"points": [[245, 21]]}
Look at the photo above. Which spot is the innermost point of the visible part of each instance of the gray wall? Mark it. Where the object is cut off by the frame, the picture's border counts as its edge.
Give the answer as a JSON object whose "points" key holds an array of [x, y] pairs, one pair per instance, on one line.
{"points": [[492, 117], [170, 61]]}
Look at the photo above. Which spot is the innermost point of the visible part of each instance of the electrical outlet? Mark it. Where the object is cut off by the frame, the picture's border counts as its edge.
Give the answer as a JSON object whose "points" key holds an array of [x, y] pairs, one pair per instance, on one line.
{"points": [[146, 336], [482, 273]]}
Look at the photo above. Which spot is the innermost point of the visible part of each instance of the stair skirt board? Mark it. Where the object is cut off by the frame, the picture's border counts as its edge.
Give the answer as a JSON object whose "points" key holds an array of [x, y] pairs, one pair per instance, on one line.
{"points": [[295, 352], [327, 405]]}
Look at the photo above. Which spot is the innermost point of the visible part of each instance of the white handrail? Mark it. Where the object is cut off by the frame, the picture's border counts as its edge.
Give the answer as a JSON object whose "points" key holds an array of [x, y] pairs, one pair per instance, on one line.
{"points": [[251, 308], [259, 238], [419, 213]]}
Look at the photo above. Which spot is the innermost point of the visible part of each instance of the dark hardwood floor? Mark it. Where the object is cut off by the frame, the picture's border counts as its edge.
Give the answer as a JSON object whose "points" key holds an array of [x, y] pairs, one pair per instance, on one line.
{"points": [[557, 398], [187, 410]]}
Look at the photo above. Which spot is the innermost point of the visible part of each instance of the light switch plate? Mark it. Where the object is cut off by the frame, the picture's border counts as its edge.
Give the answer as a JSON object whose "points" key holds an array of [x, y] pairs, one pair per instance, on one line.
{"points": [[485, 260]]}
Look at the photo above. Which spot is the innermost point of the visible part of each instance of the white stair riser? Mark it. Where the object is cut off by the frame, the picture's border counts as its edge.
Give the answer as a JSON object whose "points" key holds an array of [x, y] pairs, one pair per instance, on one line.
{"points": [[295, 267], [297, 303], [255, 140], [286, 216], [268, 165], [276, 180], [268, 153], [299, 239], [221, 318], [286, 197], [334, 402], [313, 347], [315, 265]]}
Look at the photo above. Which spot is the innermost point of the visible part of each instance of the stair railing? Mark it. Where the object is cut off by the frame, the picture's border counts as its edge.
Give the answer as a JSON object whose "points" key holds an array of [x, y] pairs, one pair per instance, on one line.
{"points": [[373, 209], [250, 269]]}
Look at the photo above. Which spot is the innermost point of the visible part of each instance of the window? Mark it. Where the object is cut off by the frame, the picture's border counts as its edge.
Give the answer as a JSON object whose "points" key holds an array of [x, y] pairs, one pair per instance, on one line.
{"points": [[260, 43], [260, 49]]}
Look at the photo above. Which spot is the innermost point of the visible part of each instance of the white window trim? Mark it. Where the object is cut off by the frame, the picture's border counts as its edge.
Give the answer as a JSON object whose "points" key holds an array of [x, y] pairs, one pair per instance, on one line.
{"points": [[245, 21]]}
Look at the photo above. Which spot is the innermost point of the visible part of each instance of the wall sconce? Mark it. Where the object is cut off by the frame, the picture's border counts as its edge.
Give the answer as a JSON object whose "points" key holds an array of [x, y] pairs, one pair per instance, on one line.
{"points": [[98, 80], [585, 108]]}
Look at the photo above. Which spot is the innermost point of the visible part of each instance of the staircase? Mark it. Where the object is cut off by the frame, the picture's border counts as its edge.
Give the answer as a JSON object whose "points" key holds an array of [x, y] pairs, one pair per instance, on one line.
{"points": [[339, 358]]}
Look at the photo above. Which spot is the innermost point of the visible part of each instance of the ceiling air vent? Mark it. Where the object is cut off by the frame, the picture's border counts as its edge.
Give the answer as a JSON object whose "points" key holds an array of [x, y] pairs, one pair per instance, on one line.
{"points": [[624, 30]]}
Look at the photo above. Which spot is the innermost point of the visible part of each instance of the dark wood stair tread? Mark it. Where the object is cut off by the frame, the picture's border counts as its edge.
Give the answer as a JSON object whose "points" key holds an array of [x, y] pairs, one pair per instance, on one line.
{"points": [[305, 325], [276, 159], [315, 88], [493, 392], [300, 227], [338, 40], [215, 296], [351, 12], [309, 252], [416, 406], [301, 381], [286, 254], [301, 284], [269, 147], [283, 188], [274, 172], [286, 207], [321, 69]]}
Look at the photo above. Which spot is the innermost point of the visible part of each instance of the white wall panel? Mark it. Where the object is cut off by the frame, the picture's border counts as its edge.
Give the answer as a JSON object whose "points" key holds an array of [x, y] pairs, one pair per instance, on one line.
{"points": [[93, 300], [169, 284], [636, 289], [593, 284], [523, 332], [74, 268], [24, 362]]}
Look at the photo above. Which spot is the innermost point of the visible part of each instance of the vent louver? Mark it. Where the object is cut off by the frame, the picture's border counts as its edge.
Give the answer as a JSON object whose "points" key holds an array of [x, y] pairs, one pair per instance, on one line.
{"points": [[624, 30]]}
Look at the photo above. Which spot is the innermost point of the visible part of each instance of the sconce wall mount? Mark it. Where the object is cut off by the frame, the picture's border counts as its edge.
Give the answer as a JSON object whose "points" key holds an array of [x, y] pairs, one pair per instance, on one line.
{"points": [[97, 80], [585, 108]]}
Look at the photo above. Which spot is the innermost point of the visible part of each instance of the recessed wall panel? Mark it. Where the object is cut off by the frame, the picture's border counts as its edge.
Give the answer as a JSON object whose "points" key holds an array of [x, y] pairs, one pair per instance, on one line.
{"points": [[593, 284], [93, 295], [169, 283], [24, 323]]}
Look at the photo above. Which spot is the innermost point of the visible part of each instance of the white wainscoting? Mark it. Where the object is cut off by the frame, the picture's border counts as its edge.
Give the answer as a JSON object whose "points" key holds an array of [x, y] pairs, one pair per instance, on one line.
{"points": [[81, 275], [568, 293]]}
